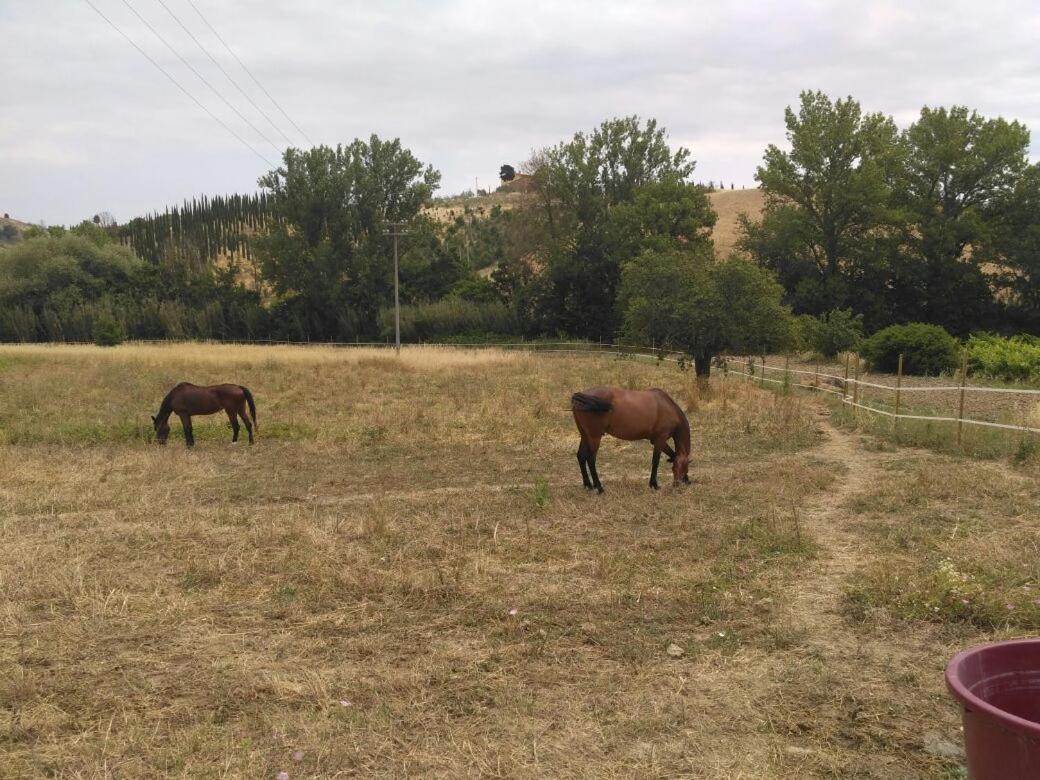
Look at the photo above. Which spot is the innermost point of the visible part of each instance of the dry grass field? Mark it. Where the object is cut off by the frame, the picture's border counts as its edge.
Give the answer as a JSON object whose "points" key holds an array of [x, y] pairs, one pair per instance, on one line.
{"points": [[729, 205], [404, 576]]}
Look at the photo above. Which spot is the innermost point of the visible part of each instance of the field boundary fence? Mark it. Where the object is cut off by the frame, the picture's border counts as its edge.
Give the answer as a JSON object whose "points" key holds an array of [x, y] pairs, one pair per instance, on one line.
{"points": [[849, 386]]}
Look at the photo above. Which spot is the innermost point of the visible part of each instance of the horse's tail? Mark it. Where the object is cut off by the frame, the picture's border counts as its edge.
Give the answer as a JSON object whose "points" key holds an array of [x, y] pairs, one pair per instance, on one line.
{"points": [[252, 405], [582, 402]]}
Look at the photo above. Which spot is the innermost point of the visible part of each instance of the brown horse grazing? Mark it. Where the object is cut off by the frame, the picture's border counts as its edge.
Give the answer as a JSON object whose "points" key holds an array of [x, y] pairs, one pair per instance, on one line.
{"points": [[187, 399], [631, 415]]}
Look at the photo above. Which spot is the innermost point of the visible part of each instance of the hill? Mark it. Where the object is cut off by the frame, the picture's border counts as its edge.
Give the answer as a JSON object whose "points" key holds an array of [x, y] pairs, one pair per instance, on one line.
{"points": [[447, 209], [729, 204], [11, 230]]}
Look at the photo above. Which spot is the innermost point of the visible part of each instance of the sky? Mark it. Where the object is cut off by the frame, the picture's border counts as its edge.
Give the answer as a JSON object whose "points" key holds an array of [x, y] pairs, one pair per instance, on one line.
{"points": [[87, 124]]}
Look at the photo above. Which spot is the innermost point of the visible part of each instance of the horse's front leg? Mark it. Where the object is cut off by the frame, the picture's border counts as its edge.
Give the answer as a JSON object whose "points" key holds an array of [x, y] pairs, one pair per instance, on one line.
{"points": [[653, 467], [189, 438]]}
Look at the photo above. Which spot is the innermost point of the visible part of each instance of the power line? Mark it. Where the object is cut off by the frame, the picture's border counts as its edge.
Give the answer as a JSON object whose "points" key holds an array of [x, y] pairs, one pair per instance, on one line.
{"points": [[201, 78], [227, 75], [179, 86], [249, 72]]}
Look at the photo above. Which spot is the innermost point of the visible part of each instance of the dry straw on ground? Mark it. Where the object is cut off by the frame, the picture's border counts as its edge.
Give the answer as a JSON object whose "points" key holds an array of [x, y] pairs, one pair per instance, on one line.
{"points": [[405, 578]]}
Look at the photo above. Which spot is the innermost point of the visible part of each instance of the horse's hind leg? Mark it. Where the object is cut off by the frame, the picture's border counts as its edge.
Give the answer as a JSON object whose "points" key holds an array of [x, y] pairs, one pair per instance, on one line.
{"points": [[653, 468], [583, 456], [189, 437], [245, 418], [233, 417], [593, 449]]}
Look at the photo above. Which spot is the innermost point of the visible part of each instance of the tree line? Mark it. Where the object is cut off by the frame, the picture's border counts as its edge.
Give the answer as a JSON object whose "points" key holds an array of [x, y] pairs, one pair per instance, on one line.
{"points": [[865, 225], [937, 222], [200, 231]]}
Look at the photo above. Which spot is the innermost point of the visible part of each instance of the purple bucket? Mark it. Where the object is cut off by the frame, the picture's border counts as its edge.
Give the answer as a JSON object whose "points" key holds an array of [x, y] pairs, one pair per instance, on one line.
{"points": [[998, 686]]}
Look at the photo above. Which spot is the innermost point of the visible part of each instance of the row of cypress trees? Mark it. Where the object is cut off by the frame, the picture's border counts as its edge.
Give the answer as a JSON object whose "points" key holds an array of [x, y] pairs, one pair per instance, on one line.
{"points": [[199, 231]]}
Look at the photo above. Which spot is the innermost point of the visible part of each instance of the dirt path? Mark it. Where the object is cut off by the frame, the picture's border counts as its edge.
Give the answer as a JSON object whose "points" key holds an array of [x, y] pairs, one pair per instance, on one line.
{"points": [[866, 666], [816, 600]]}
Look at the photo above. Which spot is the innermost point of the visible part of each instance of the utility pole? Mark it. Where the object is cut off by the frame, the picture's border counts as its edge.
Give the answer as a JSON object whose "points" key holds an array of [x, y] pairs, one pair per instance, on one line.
{"points": [[396, 229]]}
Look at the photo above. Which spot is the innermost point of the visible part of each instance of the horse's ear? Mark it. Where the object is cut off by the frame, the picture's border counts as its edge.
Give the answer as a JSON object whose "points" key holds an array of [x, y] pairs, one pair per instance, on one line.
{"points": [[153, 418]]}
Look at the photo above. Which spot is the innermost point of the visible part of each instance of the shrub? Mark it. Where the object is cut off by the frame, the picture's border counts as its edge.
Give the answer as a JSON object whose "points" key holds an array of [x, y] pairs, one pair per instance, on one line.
{"points": [[446, 318], [107, 331], [839, 330], [927, 349], [1015, 359]]}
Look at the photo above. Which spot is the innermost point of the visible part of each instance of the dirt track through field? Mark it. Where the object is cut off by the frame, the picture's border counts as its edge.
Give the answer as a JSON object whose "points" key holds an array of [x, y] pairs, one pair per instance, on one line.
{"points": [[864, 663], [699, 473], [815, 601]]}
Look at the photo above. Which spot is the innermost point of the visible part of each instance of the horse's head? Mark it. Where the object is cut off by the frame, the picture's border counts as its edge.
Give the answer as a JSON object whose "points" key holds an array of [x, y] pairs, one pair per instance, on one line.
{"points": [[162, 429], [681, 469]]}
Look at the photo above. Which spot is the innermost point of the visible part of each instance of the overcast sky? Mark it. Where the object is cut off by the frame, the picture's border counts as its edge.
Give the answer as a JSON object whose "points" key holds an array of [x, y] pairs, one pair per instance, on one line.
{"points": [[88, 124]]}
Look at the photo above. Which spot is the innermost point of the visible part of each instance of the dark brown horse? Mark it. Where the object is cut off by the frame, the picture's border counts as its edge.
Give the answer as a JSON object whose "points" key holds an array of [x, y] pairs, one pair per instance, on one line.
{"points": [[631, 415], [187, 399]]}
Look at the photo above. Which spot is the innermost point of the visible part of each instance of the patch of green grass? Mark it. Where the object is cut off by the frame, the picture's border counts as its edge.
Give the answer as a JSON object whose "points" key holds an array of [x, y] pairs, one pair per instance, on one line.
{"points": [[949, 545], [540, 494], [943, 591]]}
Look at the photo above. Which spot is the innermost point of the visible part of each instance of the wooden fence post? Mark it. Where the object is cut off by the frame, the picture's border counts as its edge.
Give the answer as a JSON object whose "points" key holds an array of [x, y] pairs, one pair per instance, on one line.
{"points": [[845, 385], [899, 388], [960, 406], [762, 379], [855, 384], [787, 374], [816, 374], [725, 376]]}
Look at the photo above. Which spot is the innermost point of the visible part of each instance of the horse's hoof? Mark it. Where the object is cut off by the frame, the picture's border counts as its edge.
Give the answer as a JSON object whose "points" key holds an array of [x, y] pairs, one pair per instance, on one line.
{"points": [[600, 491], [234, 443]]}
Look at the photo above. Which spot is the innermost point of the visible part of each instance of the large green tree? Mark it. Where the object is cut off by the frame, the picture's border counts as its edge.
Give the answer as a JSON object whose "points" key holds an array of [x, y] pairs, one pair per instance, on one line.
{"points": [[622, 175], [687, 302], [326, 254], [827, 198], [959, 172], [1016, 246]]}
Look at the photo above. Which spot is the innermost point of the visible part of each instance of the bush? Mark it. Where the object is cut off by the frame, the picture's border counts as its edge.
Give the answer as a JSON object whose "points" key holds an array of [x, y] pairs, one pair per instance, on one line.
{"points": [[107, 331], [839, 330], [927, 349], [1015, 359], [448, 318]]}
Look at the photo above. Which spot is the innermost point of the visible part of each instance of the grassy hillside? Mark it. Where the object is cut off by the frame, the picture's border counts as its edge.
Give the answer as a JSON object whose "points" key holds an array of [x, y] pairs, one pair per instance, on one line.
{"points": [[729, 204], [11, 230]]}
